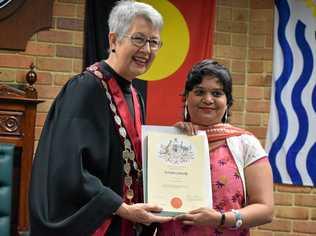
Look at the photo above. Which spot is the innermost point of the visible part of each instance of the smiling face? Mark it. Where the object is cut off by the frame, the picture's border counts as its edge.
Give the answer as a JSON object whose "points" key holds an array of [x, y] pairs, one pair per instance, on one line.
{"points": [[129, 60], [207, 102]]}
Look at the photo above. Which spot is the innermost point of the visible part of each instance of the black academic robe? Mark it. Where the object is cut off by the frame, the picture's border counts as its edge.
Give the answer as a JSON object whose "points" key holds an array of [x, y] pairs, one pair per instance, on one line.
{"points": [[77, 173]]}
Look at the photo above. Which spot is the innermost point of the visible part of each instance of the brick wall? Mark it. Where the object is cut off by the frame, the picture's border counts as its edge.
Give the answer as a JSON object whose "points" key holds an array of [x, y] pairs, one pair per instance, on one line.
{"points": [[243, 42], [56, 53]]}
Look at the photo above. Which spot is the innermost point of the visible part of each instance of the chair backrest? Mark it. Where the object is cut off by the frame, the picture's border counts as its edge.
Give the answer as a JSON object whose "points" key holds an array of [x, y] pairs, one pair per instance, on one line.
{"points": [[6, 169]]}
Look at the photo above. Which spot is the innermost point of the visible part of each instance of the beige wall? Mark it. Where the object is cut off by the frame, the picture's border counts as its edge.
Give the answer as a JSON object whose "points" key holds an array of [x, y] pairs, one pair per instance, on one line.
{"points": [[243, 42]]}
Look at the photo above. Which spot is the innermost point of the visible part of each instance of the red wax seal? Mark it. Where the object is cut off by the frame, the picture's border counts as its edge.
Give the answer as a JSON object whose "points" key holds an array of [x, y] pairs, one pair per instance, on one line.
{"points": [[176, 202]]}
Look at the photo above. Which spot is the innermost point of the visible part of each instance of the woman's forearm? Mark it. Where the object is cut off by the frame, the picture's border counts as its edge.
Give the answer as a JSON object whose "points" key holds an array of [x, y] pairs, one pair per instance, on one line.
{"points": [[252, 215]]}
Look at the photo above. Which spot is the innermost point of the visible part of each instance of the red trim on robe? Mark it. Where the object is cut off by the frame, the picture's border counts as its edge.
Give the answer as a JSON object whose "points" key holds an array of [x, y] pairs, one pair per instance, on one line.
{"points": [[134, 134]]}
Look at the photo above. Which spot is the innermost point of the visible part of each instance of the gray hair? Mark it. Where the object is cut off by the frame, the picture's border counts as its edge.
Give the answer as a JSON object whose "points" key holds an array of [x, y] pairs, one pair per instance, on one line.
{"points": [[123, 13]]}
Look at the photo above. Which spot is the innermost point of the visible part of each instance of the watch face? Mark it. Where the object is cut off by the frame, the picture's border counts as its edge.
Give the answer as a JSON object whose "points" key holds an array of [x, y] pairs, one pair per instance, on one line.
{"points": [[9, 7], [238, 223]]}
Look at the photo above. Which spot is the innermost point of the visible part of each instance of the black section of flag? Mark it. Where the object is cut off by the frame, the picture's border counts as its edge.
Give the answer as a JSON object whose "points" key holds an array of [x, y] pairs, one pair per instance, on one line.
{"points": [[96, 30]]}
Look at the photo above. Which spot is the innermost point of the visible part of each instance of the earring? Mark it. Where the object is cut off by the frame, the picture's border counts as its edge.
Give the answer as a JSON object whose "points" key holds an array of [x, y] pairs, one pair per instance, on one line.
{"points": [[113, 50], [185, 111], [226, 117]]}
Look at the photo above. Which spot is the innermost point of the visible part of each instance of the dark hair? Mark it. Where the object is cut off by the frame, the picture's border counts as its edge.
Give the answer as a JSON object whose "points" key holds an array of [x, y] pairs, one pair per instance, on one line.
{"points": [[211, 68]]}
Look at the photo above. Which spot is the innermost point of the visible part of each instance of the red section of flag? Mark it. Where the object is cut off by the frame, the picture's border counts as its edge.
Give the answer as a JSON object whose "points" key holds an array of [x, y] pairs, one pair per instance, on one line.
{"points": [[164, 100]]}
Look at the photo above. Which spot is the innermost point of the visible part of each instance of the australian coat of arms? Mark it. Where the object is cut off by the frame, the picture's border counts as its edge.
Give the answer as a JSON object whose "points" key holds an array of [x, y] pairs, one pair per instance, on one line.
{"points": [[176, 152]]}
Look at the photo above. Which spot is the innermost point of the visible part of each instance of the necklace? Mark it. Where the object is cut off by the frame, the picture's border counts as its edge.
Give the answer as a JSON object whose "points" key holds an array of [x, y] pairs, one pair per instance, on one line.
{"points": [[128, 153]]}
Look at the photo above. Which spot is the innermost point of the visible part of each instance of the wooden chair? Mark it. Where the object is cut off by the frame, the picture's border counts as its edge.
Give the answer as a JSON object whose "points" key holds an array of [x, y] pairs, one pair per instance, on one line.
{"points": [[17, 124]]}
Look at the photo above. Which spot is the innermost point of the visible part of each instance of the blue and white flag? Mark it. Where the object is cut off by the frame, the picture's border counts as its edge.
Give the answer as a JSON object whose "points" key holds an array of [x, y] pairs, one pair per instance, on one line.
{"points": [[291, 138]]}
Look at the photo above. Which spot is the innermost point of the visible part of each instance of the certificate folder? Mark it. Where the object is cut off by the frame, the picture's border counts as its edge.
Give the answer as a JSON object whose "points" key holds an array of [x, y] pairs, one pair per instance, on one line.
{"points": [[176, 169]]}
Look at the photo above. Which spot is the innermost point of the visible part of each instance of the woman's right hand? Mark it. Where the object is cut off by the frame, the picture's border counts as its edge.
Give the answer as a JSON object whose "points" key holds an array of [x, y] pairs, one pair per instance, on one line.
{"points": [[141, 213], [187, 127]]}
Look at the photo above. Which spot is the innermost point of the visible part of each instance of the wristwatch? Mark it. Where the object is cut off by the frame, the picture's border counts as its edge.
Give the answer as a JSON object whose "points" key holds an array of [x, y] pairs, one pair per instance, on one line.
{"points": [[238, 218]]}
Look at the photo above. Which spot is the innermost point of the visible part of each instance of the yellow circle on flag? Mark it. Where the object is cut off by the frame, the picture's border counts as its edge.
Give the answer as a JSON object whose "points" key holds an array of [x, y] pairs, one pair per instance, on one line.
{"points": [[176, 40]]}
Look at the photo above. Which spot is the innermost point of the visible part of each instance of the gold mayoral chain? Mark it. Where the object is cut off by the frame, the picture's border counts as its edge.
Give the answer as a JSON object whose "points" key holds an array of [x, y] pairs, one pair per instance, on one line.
{"points": [[127, 154]]}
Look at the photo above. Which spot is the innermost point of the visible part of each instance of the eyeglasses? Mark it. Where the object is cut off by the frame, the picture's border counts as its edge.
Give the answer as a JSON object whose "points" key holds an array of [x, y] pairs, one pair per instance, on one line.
{"points": [[140, 41]]}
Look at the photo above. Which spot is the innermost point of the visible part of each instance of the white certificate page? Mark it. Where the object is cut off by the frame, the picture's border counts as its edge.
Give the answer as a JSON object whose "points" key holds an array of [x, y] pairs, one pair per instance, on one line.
{"points": [[176, 169]]}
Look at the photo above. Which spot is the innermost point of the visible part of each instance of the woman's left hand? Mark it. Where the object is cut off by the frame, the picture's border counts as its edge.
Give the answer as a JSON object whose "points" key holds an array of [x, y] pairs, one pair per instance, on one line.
{"points": [[201, 216]]}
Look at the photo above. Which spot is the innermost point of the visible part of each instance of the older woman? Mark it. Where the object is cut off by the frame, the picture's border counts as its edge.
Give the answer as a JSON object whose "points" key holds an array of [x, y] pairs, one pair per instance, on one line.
{"points": [[240, 172], [86, 176]]}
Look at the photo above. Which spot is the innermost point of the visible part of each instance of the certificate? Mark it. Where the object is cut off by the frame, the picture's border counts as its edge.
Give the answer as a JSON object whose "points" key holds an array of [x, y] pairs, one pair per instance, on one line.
{"points": [[176, 169]]}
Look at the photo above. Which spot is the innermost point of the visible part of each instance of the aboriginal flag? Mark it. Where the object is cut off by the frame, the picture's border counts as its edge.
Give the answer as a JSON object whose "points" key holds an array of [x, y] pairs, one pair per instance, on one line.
{"points": [[187, 38]]}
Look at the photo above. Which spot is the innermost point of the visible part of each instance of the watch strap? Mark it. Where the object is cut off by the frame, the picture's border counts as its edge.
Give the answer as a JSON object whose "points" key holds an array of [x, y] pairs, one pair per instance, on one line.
{"points": [[238, 219], [223, 218]]}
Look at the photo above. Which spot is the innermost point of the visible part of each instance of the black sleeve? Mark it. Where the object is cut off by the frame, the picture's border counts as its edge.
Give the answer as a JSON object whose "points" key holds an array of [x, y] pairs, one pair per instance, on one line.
{"points": [[71, 189]]}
